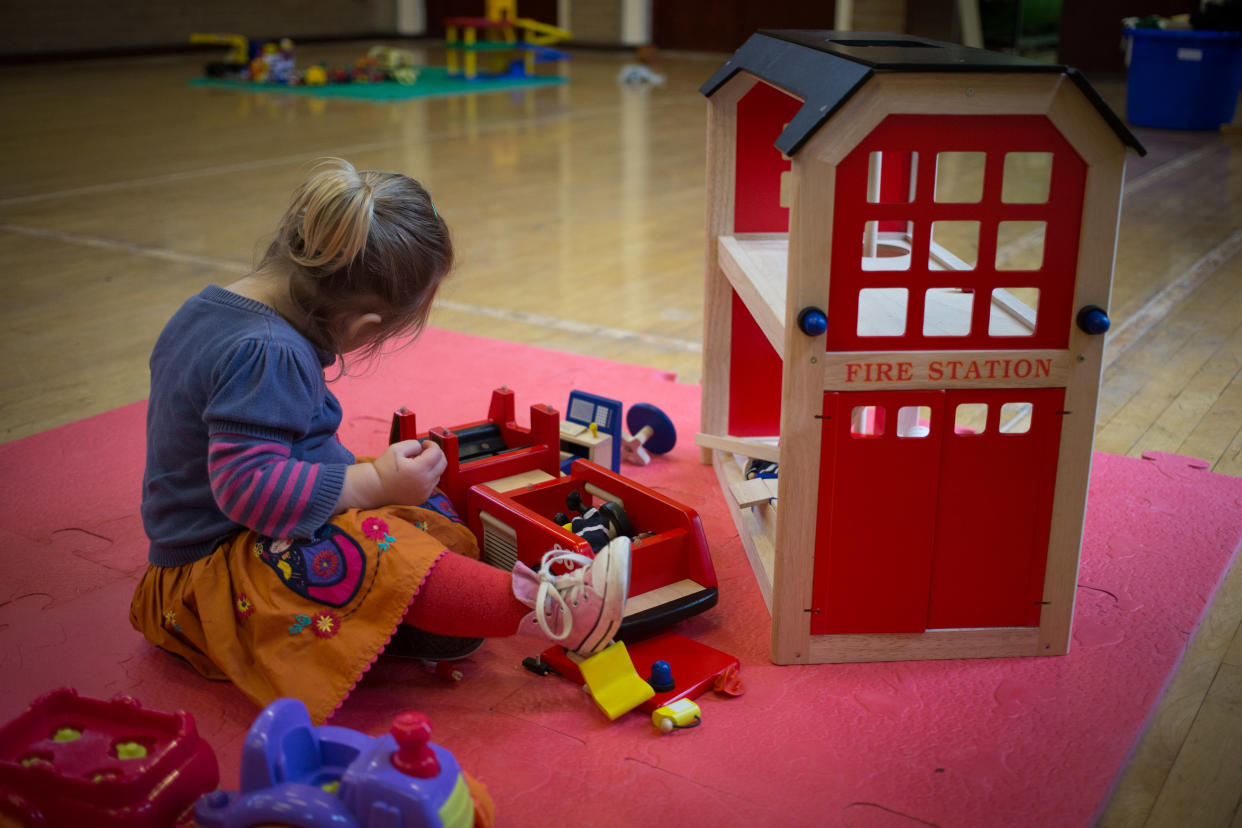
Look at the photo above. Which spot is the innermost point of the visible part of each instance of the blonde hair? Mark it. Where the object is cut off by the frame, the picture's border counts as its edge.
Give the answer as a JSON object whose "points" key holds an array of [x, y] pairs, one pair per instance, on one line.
{"points": [[355, 242]]}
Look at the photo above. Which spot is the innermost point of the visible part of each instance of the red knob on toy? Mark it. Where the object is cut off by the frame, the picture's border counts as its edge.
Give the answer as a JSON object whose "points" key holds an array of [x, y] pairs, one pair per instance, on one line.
{"points": [[414, 757]]}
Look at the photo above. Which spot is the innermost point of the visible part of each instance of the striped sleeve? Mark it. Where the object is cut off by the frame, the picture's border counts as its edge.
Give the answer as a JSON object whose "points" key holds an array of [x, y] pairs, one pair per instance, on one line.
{"points": [[262, 405], [257, 484]]}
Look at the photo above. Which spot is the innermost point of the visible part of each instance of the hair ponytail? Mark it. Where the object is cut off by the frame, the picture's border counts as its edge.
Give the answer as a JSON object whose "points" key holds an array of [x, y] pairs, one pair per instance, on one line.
{"points": [[330, 217], [361, 242]]}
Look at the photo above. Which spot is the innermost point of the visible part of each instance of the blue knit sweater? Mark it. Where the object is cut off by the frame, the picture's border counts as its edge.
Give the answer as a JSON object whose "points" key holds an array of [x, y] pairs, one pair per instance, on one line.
{"points": [[241, 430]]}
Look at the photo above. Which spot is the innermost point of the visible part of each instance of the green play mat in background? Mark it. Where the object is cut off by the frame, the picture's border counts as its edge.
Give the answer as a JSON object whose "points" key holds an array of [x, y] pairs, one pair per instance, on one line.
{"points": [[433, 81]]}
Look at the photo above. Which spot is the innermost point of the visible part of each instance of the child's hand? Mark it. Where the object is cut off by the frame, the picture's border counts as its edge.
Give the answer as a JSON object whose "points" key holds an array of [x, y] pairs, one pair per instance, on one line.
{"points": [[409, 471]]}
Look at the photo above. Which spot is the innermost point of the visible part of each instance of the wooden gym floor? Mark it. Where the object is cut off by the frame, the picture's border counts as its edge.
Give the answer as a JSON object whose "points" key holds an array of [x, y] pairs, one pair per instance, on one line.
{"points": [[579, 217]]}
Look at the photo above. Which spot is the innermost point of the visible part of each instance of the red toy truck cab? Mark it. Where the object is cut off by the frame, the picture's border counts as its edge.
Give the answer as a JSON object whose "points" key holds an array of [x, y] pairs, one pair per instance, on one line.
{"points": [[505, 481], [68, 760]]}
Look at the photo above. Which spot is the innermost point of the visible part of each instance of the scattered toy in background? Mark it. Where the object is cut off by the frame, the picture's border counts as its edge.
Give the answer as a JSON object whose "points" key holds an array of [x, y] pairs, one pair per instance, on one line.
{"points": [[398, 64], [276, 62], [316, 75], [74, 761], [294, 773], [281, 64], [235, 64], [506, 45], [642, 71]]}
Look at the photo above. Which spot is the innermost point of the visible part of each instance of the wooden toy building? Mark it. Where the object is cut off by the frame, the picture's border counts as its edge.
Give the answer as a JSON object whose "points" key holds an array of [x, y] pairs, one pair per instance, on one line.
{"points": [[910, 252]]}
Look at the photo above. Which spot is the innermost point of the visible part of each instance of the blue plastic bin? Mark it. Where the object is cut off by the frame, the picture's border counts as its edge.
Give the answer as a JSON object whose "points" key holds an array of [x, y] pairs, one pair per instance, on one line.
{"points": [[1183, 79]]}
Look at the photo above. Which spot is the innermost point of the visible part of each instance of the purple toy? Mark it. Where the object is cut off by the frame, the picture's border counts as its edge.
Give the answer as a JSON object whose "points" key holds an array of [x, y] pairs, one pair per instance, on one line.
{"points": [[299, 775]]}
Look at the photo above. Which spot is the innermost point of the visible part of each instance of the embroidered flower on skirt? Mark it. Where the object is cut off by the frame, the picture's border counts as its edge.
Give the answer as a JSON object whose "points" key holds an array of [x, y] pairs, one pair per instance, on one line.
{"points": [[375, 528], [325, 624], [325, 564], [170, 620], [242, 607], [300, 623]]}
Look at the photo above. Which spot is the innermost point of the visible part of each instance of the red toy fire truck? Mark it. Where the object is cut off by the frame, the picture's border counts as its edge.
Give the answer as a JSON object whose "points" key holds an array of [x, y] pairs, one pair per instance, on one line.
{"points": [[505, 481]]}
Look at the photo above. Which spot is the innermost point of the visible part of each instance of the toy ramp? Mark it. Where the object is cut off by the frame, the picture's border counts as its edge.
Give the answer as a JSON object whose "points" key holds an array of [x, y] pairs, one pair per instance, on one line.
{"points": [[541, 34]]}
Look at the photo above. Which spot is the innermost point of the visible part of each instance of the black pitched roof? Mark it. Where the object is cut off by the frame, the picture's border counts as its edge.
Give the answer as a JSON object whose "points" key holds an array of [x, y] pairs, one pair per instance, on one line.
{"points": [[825, 68]]}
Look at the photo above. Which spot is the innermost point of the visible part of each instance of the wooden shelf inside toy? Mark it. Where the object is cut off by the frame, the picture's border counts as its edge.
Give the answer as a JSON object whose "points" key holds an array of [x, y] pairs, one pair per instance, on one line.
{"points": [[756, 267], [756, 520], [755, 264]]}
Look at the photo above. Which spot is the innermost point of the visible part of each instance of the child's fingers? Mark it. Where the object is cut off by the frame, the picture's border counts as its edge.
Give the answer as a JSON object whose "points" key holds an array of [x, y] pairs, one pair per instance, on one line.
{"points": [[432, 453], [431, 462], [407, 448]]}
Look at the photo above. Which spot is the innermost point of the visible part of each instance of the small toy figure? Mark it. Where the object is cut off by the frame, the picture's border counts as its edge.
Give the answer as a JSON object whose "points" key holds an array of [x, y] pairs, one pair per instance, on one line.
{"points": [[296, 774], [315, 75], [258, 70], [281, 63]]}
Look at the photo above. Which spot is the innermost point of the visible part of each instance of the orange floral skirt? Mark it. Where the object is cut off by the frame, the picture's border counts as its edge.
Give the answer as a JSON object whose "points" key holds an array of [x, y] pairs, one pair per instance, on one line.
{"points": [[297, 618]]}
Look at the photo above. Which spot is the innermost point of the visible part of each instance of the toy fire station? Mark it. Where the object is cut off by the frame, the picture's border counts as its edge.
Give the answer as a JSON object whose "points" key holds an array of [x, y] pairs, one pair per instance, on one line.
{"points": [[909, 257]]}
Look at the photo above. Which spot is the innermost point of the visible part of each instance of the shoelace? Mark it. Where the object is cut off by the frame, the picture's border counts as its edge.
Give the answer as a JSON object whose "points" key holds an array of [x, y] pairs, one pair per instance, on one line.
{"points": [[557, 587]]}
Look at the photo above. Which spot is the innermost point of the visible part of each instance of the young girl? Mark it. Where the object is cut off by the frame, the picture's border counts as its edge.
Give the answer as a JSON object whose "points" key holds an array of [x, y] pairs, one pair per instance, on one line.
{"points": [[277, 561]]}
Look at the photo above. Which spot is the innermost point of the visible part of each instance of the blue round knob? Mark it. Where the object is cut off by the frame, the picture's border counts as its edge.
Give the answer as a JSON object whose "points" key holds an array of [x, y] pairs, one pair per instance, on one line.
{"points": [[812, 321], [661, 679], [1093, 320]]}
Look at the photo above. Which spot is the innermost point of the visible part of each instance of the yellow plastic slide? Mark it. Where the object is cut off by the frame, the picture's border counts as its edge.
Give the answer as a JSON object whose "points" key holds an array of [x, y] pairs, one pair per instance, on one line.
{"points": [[541, 34]]}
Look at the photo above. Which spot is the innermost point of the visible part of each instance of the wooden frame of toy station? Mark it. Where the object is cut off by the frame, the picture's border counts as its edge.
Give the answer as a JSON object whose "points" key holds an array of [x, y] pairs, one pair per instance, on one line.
{"points": [[909, 256]]}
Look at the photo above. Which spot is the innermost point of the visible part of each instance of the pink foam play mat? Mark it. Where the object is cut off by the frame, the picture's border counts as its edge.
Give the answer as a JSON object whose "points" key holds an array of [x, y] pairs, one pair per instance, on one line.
{"points": [[978, 742]]}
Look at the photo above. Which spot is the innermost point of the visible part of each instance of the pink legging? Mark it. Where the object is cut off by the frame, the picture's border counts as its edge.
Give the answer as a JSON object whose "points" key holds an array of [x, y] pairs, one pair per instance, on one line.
{"points": [[467, 598]]}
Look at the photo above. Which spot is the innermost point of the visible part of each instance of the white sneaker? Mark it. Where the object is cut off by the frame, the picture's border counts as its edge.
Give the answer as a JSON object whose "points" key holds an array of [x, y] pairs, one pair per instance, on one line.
{"points": [[582, 609]]}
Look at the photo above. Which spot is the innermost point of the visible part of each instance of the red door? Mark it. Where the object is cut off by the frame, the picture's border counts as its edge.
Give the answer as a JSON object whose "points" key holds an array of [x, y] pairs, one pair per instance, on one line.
{"points": [[934, 509], [877, 511], [997, 476]]}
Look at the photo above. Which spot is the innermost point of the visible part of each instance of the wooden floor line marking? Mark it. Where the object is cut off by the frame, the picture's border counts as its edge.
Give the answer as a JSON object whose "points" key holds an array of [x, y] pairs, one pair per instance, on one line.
{"points": [[1121, 338], [1157, 174], [128, 247], [186, 175], [665, 343]]}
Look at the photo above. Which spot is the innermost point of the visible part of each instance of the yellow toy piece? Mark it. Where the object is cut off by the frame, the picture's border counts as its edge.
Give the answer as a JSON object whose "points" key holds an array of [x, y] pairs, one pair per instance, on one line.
{"points": [[239, 45], [613, 682], [500, 9], [681, 713], [541, 34]]}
